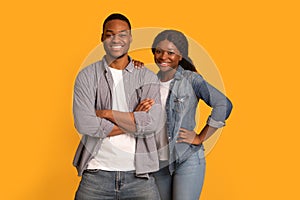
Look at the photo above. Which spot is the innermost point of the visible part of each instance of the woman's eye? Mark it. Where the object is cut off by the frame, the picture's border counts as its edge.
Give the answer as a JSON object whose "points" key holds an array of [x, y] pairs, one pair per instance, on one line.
{"points": [[171, 53]]}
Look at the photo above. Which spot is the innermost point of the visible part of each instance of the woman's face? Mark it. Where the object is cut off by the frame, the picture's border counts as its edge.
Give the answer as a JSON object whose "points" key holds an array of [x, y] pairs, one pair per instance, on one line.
{"points": [[167, 56]]}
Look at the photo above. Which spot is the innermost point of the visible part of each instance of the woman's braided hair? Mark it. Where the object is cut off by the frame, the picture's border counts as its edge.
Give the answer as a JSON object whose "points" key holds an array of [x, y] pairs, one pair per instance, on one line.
{"points": [[181, 42]]}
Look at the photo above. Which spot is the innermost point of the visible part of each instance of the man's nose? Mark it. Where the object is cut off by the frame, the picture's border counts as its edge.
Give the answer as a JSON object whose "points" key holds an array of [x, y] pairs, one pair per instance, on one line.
{"points": [[115, 38]]}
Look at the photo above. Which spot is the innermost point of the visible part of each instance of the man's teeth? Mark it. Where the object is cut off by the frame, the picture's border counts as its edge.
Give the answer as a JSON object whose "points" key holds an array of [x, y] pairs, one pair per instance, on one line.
{"points": [[116, 47]]}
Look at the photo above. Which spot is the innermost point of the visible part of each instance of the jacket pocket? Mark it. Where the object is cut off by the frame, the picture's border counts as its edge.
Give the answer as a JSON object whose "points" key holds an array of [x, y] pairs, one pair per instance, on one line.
{"points": [[179, 103]]}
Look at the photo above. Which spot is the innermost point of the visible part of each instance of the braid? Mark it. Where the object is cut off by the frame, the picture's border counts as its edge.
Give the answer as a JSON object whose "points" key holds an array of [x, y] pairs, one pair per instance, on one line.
{"points": [[181, 42]]}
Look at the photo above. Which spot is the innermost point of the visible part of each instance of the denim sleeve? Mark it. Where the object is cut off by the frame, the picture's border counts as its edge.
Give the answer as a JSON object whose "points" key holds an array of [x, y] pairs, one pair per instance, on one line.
{"points": [[85, 119], [221, 105], [149, 122]]}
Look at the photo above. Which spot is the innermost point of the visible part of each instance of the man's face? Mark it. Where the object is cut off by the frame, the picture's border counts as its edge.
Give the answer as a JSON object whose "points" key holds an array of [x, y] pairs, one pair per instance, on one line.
{"points": [[116, 38]]}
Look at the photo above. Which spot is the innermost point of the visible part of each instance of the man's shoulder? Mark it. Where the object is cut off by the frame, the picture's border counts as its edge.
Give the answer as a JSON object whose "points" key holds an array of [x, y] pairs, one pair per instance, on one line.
{"points": [[145, 72], [89, 74], [91, 68], [145, 75]]}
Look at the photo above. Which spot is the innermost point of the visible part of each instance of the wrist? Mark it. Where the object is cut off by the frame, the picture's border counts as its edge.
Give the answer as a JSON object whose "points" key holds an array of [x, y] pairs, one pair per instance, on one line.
{"points": [[197, 140], [109, 115], [105, 114]]}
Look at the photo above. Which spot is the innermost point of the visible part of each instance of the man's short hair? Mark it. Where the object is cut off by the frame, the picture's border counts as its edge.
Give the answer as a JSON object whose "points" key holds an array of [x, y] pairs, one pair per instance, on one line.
{"points": [[116, 16]]}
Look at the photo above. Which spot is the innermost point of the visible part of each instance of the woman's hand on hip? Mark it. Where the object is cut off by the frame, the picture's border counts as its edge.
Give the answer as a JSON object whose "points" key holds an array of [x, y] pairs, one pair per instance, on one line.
{"points": [[190, 137]]}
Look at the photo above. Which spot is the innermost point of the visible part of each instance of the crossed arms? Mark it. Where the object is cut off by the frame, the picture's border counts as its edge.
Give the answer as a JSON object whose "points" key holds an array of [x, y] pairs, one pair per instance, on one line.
{"points": [[124, 121], [103, 123]]}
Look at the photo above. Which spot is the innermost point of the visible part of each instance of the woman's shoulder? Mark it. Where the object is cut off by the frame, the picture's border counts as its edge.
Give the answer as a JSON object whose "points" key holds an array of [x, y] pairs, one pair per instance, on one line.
{"points": [[191, 75]]}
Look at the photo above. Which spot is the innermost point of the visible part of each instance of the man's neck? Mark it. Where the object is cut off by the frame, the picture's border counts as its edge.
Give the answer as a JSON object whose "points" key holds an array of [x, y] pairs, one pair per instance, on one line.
{"points": [[117, 63]]}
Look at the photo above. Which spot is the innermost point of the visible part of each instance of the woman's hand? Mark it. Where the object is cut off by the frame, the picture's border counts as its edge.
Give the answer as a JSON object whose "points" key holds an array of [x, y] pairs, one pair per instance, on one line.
{"points": [[138, 64], [190, 137], [145, 105]]}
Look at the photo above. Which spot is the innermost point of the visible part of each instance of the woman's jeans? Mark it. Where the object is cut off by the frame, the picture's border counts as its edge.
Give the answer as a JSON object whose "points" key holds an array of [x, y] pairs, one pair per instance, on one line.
{"points": [[103, 185], [187, 180]]}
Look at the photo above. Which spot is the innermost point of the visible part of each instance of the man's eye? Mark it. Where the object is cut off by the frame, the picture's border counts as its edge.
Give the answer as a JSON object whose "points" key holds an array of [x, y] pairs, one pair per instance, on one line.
{"points": [[171, 52], [157, 51]]}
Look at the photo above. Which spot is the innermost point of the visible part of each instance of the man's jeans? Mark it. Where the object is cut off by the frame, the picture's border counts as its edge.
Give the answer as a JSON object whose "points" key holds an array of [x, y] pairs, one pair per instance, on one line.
{"points": [[103, 185], [187, 180]]}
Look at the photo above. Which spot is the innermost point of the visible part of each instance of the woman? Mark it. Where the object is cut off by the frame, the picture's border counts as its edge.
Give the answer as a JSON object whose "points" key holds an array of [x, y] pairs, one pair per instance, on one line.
{"points": [[182, 162]]}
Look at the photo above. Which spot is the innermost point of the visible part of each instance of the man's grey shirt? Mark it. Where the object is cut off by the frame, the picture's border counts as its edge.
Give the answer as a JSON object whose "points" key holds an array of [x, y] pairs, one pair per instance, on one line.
{"points": [[93, 91]]}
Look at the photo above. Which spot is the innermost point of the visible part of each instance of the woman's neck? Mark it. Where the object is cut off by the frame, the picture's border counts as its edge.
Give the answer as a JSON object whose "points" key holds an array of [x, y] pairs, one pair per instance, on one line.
{"points": [[168, 75]]}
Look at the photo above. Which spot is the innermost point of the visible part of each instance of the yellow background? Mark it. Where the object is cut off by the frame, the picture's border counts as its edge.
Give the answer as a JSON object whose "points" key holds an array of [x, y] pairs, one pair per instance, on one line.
{"points": [[255, 45]]}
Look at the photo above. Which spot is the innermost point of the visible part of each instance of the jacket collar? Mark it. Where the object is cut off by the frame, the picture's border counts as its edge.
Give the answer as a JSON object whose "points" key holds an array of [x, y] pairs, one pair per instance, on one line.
{"points": [[178, 74]]}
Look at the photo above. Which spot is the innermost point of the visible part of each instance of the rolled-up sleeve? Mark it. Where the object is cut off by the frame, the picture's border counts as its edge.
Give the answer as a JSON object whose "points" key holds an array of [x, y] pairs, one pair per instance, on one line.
{"points": [[149, 122], [221, 105], [85, 119]]}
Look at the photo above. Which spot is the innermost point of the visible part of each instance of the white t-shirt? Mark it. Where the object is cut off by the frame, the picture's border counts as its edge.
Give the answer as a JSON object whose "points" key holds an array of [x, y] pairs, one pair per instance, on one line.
{"points": [[161, 136], [117, 152]]}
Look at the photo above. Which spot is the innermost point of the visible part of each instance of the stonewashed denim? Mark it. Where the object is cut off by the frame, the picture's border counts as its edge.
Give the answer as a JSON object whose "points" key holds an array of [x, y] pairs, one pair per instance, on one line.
{"points": [[186, 89], [187, 180], [105, 185]]}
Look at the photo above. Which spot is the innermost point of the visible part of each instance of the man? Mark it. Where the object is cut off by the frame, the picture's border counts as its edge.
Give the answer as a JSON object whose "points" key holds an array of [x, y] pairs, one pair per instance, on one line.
{"points": [[117, 152]]}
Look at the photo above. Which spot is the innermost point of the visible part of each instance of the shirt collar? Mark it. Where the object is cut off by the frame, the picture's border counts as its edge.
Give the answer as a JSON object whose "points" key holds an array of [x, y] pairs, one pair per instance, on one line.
{"points": [[128, 68]]}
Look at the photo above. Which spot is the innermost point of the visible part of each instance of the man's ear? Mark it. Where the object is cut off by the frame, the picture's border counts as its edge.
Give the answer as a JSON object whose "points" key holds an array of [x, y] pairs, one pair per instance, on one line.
{"points": [[102, 39]]}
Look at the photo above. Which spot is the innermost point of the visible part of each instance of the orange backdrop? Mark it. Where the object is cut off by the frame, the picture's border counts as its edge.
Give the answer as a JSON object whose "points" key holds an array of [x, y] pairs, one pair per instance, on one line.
{"points": [[254, 45]]}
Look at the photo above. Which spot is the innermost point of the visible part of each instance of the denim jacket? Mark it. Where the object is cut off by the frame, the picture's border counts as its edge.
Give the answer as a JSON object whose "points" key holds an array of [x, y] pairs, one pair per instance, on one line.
{"points": [[186, 89]]}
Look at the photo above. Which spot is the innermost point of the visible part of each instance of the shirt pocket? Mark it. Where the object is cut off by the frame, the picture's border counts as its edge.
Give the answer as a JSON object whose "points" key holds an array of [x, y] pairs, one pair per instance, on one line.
{"points": [[134, 96], [139, 93]]}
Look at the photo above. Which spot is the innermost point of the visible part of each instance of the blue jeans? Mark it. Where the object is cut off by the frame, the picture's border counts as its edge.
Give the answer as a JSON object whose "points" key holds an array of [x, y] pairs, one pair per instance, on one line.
{"points": [[187, 180], [103, 185]]}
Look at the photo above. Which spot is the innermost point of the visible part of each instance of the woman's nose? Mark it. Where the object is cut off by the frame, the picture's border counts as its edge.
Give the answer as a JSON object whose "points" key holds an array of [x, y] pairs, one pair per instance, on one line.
{"points": [[164, 55]]}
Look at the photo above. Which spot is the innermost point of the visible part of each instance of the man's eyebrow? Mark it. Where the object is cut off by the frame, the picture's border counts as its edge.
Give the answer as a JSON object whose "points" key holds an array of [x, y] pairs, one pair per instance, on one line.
{"points": [[122, 31]]}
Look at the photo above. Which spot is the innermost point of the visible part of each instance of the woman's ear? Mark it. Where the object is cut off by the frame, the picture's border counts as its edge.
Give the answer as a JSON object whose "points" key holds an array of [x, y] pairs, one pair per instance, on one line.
{"points": [[180, 57]]}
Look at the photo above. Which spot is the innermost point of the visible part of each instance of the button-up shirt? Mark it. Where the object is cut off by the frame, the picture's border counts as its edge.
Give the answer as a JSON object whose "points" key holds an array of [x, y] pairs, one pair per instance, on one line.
{"points": [[93, 91]]}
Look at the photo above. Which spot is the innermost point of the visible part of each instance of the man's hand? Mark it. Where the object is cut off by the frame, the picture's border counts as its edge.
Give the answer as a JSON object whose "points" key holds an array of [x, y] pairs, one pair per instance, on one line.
{"points": [[145, 105], [124, 120], [102, 113]]}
